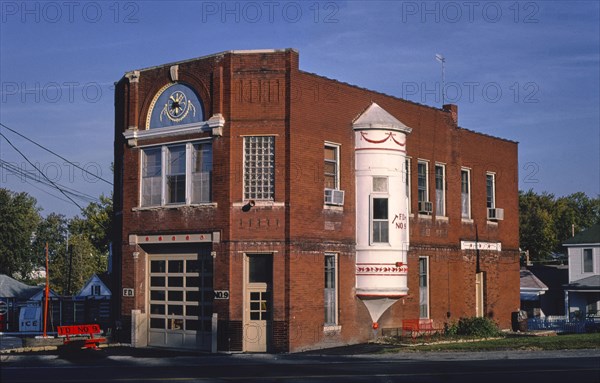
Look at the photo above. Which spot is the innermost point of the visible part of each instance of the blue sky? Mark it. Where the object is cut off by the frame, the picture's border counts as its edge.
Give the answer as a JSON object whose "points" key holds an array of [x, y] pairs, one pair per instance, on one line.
{"points": [[528, 71]]}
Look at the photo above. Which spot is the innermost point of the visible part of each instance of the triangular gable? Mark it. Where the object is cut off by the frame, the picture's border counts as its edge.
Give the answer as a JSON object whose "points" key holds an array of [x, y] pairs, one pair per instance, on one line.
{"points": [[87, 290], [40, 295]]}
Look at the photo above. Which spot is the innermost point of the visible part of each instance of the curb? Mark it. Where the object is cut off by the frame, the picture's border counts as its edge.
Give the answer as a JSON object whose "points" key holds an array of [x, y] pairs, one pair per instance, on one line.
{"points": [[21, 350]]}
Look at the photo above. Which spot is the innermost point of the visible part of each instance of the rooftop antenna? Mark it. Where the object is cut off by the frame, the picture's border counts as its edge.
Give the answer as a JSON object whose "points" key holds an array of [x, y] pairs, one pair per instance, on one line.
{"points": [[441, 59]]}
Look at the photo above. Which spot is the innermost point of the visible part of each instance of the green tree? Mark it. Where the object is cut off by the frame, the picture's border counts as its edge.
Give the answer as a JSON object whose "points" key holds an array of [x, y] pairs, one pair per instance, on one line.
{"points": [[545, 222], [19, 217], [53, 230], [96, 223]]}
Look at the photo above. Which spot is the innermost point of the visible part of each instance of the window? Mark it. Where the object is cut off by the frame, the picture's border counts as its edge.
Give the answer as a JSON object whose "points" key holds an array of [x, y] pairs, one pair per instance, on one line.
{"points": [[588, 261], [330, 299], [422, 184], [176, 174], [465, 187], [440, 190], [331, 167], [407, 181], [152, 177], [490, 187], [201, 173], [259, 168], [379, 220], [423, 287], [95, 289]]}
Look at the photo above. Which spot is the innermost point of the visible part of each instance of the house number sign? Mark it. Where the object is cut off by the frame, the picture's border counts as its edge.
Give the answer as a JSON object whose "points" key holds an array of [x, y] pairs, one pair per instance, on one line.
{"points": [[221, 294]]}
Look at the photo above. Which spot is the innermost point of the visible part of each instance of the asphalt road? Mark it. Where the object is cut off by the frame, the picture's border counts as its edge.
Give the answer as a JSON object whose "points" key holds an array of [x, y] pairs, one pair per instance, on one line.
{"points": [[128, 365]]}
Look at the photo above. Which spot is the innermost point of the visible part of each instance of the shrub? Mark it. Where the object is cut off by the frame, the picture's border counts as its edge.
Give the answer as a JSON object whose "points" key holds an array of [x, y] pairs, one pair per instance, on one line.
{"points": [[474, 326]]}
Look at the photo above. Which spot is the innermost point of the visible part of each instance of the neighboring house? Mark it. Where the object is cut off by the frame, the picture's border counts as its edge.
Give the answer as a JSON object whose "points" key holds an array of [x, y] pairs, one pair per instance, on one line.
{"points": [[96, 297], [582, 293], [21, 306], [298, 212], [552, 302], [532, 290]]}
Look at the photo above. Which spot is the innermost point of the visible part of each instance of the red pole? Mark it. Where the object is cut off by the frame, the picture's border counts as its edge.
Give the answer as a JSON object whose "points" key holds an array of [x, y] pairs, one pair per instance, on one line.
{"points": [[47, 290]]}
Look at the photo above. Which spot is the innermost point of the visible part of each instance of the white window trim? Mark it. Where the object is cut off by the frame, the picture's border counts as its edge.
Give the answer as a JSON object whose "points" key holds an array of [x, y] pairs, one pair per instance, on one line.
{"points": [[583, 261], [337, 150], [443, 166], [426, 258], [493, 188], [334, 326], [373, 196], [468, 219], [189, 152]]}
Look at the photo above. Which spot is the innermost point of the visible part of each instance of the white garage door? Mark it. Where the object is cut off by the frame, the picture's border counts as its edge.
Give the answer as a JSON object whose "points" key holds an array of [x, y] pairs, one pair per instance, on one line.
{"points": [[180, 300]]}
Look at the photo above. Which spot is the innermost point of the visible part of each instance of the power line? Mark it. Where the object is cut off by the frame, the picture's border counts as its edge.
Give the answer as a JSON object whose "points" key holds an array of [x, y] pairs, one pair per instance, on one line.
{"points": [[39, 171], [57, 155], [28, 175]]}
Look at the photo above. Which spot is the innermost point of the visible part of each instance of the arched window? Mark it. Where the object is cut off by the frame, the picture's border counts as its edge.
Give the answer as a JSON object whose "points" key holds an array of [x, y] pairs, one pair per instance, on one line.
{"points": [[175, 104]]}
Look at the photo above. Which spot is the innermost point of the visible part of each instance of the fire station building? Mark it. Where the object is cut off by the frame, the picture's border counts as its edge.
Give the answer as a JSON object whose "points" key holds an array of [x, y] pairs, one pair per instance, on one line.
{"points": [[262, 208]]}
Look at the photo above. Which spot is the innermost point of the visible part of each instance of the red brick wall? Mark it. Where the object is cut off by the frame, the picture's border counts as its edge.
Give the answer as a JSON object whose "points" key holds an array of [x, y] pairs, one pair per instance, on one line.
{"points": [[265, 93]]}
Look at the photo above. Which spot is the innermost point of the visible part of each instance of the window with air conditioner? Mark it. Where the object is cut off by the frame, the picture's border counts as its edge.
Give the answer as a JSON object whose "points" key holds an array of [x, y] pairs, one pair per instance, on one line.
{"points": [[494, 213], [331, 174]]}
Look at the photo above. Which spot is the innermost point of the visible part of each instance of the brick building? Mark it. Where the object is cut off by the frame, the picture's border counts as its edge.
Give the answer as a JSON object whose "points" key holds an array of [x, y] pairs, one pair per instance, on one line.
{"points": [[300, 210]]}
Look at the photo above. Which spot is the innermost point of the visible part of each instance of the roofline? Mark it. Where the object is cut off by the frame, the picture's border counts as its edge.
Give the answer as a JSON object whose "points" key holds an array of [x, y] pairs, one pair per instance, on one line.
{"points": [[581, 244], [223, 53], [404, 100]]}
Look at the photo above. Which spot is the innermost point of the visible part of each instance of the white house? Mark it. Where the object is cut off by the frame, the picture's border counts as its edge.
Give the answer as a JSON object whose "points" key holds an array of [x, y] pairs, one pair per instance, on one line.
{"points": [[582, 294]]}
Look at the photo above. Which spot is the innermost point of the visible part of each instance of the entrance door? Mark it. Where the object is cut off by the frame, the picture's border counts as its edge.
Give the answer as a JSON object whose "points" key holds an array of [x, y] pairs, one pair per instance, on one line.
{"points": [[257, 302], [180, 301]]}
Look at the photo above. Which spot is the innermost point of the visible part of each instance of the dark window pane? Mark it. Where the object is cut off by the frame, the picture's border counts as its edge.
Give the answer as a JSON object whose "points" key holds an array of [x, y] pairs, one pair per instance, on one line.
{"points": [[380, 208], [193, 266], [192, 281], [192, 296], [176, 296], [175, 281], [157, 281], [157, 309], [254, 296], [192, 310], [157, 295], [175, 266], [260, 268], [157, 266], [175, 310], [255, 315], [157, 323]]}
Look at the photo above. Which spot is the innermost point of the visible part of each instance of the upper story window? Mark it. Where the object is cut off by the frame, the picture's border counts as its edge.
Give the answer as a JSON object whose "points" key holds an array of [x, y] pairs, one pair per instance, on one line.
{"points": [[259, 168], [490, 187], [176, 174], [96, 290], [422, 183], [588, 261], [465, 193], [440, 190], [407, 181], [379, 211], [331, 167]]}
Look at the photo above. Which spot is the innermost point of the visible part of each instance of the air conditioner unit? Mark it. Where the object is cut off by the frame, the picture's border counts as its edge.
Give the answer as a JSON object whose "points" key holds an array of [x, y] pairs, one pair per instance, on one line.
{"points": [[334, 197], [495, 214], [425, 207]]}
